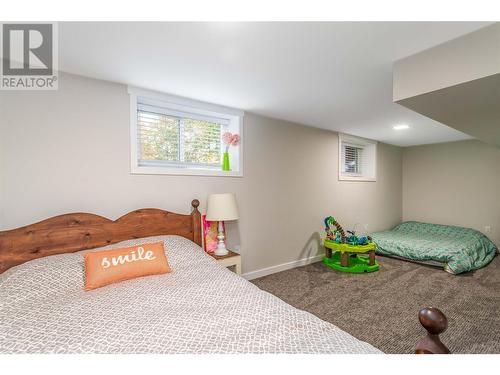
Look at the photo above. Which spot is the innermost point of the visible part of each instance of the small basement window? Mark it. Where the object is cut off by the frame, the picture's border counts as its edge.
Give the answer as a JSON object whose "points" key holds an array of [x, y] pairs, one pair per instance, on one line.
{"points": [[172, 135], [357, 158]]}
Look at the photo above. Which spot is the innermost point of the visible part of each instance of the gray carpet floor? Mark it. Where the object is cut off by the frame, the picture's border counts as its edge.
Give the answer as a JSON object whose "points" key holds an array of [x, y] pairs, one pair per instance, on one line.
{"points": [[381, 308]]}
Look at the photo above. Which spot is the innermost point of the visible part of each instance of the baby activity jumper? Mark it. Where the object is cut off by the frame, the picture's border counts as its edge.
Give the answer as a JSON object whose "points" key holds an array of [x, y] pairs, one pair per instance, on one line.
{"points": [[348, 253]]}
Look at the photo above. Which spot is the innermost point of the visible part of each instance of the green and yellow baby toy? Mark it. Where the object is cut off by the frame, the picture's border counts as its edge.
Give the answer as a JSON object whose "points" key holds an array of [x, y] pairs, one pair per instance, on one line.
{"points": [[342, 253]]}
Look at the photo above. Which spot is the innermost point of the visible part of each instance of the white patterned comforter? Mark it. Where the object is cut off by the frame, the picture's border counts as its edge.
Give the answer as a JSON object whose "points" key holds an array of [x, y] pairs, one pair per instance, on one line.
{"points": [[201, 307]]}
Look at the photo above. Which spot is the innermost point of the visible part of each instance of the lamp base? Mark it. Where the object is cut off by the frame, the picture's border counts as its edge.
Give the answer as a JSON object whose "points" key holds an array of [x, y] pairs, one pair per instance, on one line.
{"points": [[221, 252], [221, 246]]}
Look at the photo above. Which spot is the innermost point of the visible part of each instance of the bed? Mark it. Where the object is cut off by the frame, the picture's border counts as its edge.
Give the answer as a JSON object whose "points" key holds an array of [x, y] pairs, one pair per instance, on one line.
{"points": [[456, 249], [201, 307]]}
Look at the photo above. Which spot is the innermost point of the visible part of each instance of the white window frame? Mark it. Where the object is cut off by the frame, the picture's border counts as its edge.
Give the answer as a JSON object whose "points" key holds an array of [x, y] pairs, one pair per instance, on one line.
{"points": [[178, 106], [365, 144]]}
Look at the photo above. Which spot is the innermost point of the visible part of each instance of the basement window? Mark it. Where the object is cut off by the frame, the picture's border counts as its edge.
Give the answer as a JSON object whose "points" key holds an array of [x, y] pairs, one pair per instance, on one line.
{"points": [[172, 135], [357, 158]]}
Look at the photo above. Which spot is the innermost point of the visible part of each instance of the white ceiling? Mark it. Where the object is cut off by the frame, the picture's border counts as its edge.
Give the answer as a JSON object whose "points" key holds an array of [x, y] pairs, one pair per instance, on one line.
{"points": [[335, 75]]}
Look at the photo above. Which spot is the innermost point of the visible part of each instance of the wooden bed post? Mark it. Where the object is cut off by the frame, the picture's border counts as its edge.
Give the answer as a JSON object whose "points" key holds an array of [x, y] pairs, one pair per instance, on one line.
{"points": [[196, 222], [435, 322]]}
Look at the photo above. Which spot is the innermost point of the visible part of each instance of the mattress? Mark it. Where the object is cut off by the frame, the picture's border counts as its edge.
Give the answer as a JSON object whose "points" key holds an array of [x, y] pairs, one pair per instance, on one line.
{"points": [[201, 307], [457, 249]]}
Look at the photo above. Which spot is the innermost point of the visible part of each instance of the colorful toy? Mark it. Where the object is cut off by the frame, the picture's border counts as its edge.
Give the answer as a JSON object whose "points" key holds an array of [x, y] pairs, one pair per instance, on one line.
{"points": [[342, 252]]}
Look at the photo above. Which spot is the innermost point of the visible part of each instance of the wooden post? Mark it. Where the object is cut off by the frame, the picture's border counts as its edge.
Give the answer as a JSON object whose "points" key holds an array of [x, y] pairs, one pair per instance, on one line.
{"points": [[372, 257], [328, 252], [435, 323], [196, 217], [344, 259]]}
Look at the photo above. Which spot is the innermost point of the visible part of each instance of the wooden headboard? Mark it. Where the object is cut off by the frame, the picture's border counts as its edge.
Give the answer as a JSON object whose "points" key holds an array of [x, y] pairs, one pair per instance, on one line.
{"points": [[79, 231]]}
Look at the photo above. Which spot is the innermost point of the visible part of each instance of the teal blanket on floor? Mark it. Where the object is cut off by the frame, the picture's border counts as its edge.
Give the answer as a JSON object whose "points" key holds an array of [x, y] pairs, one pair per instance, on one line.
{"points": [[460, 249]]}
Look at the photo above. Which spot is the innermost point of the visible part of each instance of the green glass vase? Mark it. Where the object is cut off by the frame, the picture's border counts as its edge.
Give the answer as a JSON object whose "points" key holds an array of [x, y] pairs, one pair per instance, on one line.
{"points": [[225, 162]]}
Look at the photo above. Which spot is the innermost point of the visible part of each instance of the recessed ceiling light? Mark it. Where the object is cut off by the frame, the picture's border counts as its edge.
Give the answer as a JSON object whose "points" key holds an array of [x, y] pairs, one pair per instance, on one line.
{"points": [[400, 127]]}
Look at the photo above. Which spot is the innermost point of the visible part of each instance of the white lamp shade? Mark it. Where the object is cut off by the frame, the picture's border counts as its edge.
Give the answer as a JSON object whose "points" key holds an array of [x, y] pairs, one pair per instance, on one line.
{"points": [[222, 207]]}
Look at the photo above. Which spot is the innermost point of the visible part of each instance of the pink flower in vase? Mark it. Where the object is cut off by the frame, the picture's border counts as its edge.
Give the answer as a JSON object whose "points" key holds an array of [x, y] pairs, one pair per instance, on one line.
{"points": [[230, 139], [227, 137], [235, 140]]}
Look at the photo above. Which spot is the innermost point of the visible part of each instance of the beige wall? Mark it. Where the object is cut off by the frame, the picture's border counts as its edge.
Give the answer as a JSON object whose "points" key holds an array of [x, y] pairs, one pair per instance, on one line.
{"points": [[68, 150], [467, 58], [454, 183]]}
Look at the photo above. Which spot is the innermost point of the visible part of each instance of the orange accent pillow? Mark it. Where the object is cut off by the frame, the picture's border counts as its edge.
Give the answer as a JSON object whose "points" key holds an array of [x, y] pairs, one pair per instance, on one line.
{"points": [[110, 266]]}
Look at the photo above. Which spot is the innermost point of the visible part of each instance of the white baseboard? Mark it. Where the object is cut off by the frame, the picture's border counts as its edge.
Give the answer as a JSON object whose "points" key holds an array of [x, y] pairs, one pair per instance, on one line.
{"points": [[282, 267]]}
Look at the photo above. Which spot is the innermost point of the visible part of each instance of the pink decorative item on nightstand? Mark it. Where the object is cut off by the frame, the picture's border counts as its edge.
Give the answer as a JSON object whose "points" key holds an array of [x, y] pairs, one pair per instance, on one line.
{"points": [[210, 232]]}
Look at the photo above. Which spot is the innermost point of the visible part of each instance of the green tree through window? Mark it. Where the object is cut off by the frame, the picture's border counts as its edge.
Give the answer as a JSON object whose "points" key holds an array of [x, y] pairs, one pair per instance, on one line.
{"points": [[178, 140]]}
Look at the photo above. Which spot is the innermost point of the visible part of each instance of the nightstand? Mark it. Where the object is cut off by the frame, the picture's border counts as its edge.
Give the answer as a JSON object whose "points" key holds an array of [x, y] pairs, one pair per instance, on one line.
{"points": [[230, 260]]}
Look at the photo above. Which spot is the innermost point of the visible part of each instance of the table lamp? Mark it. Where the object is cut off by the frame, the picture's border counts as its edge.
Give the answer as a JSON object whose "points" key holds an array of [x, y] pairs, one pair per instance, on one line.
{"points": [[221, 207]]}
